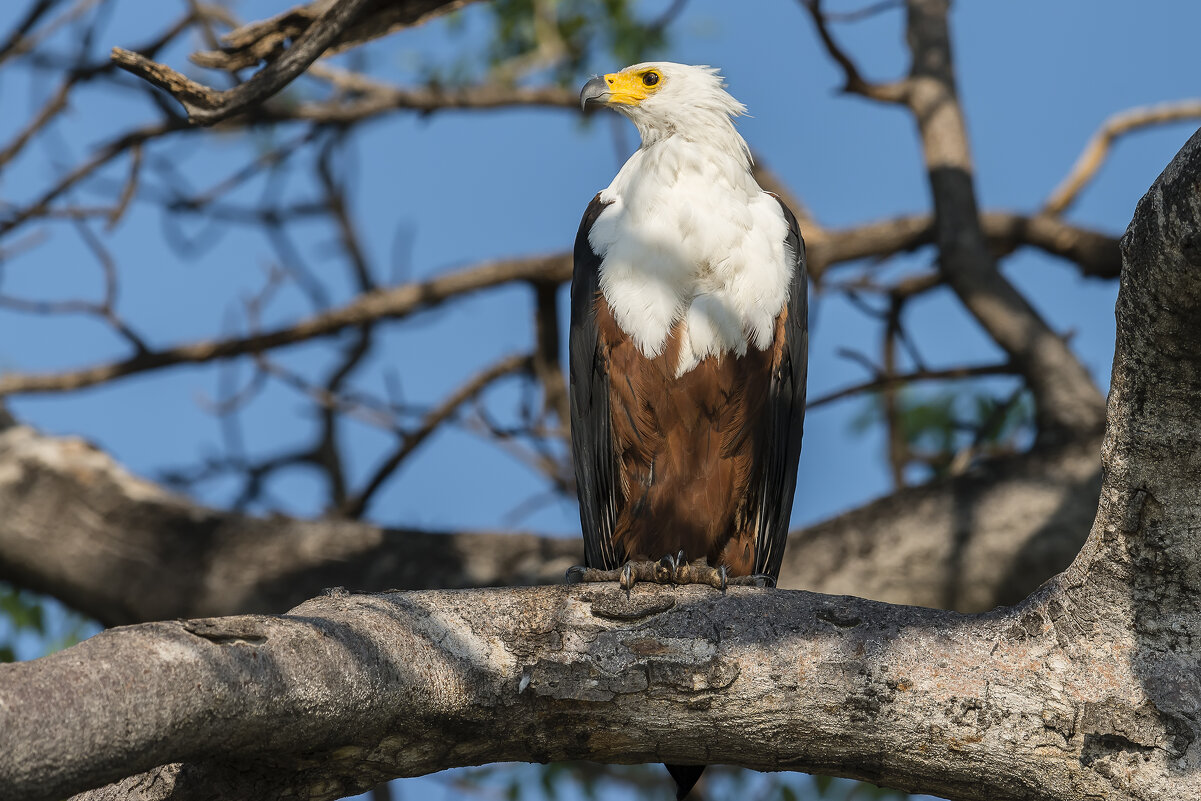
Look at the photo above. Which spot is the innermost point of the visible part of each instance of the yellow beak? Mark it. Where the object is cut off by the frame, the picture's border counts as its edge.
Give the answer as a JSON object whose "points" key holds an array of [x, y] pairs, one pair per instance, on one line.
{"points": [[616, 88]]}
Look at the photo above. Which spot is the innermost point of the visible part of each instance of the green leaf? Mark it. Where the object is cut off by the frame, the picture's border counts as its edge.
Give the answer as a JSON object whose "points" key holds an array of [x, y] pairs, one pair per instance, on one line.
{"points": [[23, 611]]}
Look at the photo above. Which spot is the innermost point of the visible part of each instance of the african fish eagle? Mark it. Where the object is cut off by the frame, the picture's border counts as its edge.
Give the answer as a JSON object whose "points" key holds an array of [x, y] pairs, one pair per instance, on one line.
{"points": [[688, 342], [689, 337]]}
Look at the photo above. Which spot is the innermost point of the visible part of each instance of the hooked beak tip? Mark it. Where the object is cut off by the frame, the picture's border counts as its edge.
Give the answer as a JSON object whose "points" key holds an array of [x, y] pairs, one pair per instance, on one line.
{"points": [[596, 90]]}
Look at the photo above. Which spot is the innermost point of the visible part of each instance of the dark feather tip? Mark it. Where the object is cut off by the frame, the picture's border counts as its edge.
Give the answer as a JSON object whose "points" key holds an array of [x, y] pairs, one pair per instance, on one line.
{"points": [[686, 777]]}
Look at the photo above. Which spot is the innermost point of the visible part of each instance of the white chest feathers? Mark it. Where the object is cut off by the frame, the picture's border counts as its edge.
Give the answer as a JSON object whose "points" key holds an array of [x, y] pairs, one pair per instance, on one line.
{"points": [[692, 238]]}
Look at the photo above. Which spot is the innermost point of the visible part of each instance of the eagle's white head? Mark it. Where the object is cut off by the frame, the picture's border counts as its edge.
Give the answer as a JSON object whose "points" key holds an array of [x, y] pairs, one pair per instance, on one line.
{"points": [[687, 235], [664, 99]]}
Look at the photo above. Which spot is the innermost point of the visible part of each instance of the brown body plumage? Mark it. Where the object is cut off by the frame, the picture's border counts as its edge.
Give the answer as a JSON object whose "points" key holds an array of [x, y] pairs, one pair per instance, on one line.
{"points": [[686, 448], [701, 461]]}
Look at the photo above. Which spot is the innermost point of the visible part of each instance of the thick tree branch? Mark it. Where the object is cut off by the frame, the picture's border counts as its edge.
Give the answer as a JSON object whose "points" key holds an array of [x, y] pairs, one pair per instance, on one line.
{"points": [[410, 684]]}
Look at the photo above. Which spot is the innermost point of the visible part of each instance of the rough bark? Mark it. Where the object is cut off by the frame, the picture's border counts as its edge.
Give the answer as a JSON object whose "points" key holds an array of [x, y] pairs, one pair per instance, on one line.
{"points": [[347, 691], [1088, 689], [126, 551]]}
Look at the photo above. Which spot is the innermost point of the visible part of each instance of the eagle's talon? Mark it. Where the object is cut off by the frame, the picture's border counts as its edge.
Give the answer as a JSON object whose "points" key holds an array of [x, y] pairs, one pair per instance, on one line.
{"points": [[626, 582], [575, 574], [721, 574], [665, 570]]}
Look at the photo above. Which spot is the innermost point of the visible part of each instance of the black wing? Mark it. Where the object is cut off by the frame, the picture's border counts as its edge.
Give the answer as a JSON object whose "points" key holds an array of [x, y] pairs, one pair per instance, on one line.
{"points": [[786, 411], [591, 446]]}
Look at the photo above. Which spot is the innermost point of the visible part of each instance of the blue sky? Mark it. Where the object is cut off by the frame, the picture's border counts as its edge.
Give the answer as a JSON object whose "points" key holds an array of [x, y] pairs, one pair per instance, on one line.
{"points": [[440, 193]]}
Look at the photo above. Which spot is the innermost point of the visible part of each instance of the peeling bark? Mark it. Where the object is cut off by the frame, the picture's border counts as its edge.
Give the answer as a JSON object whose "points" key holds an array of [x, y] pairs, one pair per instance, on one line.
{"points": [[1086, 690]]}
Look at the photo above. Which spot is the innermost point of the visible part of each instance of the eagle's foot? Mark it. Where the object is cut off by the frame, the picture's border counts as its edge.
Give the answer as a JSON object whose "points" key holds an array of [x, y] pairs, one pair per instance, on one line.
{"points": [[701, 572], [626, 576], [668, 570], [581, 574]]}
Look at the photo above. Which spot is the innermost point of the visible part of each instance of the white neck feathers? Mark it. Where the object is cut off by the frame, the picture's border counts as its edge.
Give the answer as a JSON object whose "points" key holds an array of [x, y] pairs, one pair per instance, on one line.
{"points": [[690, 236]]}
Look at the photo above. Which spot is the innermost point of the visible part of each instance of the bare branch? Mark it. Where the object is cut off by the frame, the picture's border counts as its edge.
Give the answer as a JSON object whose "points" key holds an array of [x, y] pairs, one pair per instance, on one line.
{"points": [[23, 37], [864, 13], [263, 41], [106, 153], [546, 364], [394, 303], [424, 99], [1094, 252], [207, 106], [356, 505], [1095, 152], [49, 111], [334, 24], [896, 92]]}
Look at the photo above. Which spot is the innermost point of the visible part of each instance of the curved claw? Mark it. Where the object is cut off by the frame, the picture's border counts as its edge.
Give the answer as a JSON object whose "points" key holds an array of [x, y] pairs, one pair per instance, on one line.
{"points": [[665, 570], [575, 574], [722, 572], [626, 582]]}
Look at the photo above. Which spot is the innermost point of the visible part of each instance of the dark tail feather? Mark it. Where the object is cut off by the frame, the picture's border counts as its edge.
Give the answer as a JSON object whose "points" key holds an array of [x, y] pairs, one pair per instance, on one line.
{"points": [[686, 777]]}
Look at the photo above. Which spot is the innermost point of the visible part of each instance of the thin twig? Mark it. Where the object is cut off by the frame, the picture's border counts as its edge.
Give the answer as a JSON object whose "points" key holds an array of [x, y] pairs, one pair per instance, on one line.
{"points": [[1093, 156], [394, 303], [883, 381], [854, 83], [356, 504]]}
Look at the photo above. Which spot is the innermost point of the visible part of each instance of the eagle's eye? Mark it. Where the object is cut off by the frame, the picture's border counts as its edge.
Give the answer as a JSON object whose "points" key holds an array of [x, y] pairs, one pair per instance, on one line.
{"points": [[650, 78]]}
